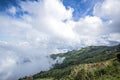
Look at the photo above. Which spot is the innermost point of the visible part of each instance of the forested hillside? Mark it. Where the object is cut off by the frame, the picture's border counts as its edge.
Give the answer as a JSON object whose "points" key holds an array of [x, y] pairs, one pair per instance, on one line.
{"points": [[90, 63]]}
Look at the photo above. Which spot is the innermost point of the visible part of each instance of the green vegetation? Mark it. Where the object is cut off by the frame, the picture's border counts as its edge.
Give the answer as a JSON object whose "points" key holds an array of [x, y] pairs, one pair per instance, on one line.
{"points": [[90, 63], [89, 54]]}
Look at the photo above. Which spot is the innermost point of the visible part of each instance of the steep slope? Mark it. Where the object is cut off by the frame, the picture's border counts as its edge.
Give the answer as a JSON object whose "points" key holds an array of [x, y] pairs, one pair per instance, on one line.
{"points": [[90, 63], [89, 54]]}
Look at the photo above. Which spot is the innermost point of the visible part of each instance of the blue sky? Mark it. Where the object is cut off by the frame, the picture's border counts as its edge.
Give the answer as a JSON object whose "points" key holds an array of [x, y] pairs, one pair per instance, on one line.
{"points": [[33, 30], [81, 7]]}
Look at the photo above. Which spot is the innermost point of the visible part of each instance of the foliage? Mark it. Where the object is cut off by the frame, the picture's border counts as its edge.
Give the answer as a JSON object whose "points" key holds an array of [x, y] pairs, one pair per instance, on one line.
{"points": [[89, 54], [91, 63]]}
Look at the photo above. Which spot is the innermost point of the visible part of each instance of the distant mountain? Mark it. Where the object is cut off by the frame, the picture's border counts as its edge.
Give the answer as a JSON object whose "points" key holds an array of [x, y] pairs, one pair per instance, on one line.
{"points": [[90, 63]]}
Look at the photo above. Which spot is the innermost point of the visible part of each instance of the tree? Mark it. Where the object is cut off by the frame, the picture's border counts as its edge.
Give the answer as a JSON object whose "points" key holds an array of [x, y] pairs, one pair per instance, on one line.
{"points": [[118, 57]]}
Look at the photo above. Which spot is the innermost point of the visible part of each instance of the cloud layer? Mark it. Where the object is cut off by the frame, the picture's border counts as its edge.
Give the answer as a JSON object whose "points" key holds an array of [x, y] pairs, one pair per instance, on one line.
{"points": [[48, 27]]}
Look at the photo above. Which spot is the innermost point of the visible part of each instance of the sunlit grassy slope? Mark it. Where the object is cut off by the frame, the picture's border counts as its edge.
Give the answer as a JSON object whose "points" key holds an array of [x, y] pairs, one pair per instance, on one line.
{"points": [[90, 63]]}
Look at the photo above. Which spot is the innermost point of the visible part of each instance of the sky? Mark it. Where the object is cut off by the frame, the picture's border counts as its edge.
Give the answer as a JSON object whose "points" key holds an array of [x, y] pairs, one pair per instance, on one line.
{"points": [[31, 30]]}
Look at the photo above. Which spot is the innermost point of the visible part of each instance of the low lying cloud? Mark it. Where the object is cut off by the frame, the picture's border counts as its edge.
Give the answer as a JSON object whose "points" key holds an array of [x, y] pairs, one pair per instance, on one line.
{"points": [[48, 27]]}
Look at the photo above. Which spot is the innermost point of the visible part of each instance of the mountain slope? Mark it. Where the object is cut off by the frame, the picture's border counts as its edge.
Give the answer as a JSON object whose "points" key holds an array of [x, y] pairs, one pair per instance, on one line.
{"points": [[90, 63], [89, 54]]}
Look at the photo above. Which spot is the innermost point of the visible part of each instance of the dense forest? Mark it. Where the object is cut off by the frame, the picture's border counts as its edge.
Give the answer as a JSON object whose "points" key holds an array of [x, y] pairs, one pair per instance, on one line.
{"points": [[89, 63]]}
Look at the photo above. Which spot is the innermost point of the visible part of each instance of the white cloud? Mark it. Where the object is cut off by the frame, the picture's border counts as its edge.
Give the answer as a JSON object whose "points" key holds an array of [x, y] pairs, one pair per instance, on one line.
{"points": [[89, 26], [12, 10], [47, 29], [109, 8], [114, 37], [53, 13]]}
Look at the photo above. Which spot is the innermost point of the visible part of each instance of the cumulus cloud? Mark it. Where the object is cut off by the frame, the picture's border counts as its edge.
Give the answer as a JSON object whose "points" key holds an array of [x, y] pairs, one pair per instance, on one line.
{"points": [[48, 27], [89, 26], [109, 10]]}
